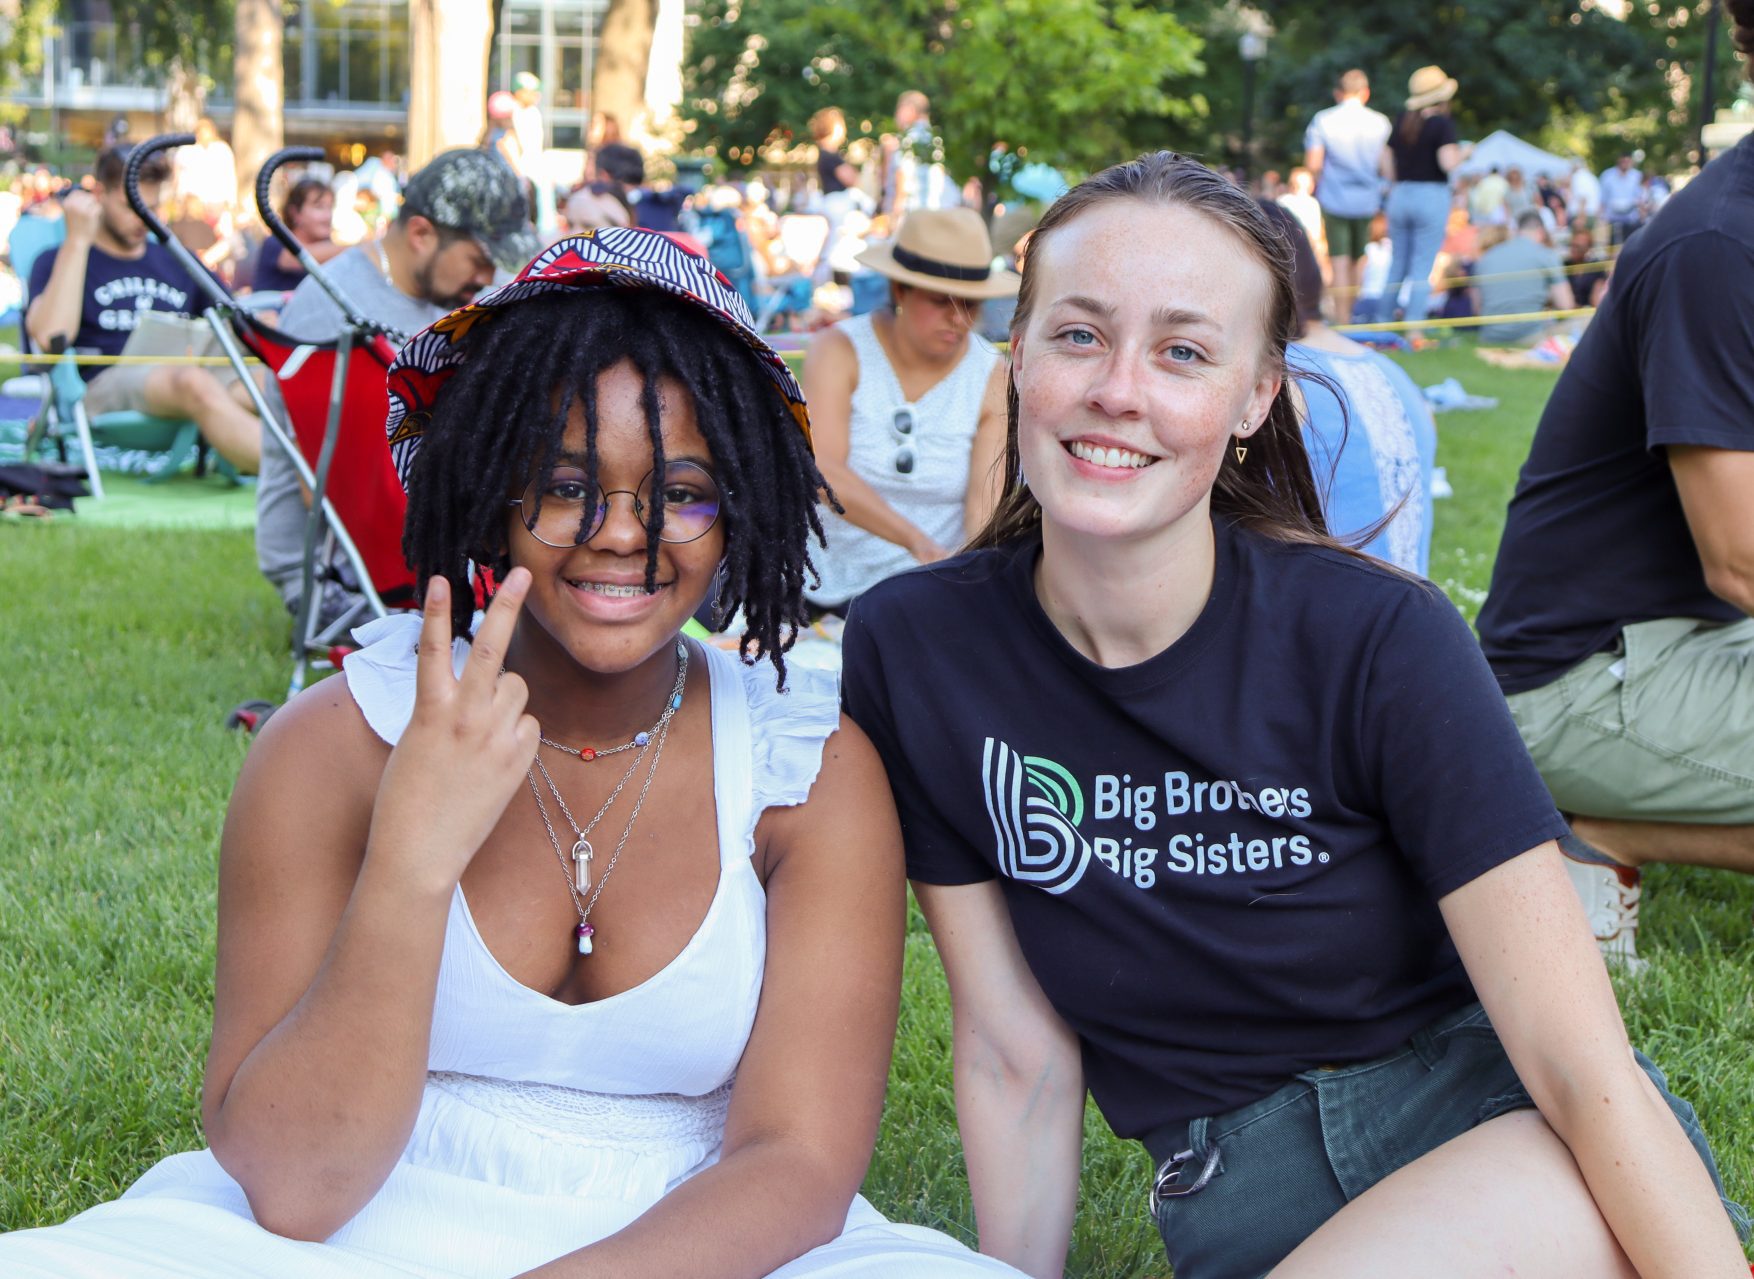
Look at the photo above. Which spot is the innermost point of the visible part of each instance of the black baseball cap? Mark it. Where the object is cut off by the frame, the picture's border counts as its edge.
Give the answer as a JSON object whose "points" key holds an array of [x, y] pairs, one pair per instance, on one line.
{"points": [[476, 193]]}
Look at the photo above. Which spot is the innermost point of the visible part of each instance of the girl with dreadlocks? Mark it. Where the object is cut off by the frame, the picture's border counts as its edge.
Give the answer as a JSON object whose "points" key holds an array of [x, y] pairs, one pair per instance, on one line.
{"points": [[572, 949], [1229, 823]]}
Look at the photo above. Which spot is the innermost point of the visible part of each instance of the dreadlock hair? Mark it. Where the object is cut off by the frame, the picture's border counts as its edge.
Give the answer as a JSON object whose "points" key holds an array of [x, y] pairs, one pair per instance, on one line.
{"points": [[501, 417]]}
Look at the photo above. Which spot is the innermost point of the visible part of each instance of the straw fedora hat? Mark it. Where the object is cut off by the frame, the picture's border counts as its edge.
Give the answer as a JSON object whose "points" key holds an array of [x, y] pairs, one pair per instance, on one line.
{"points": [[1429, 86], [942, 251]]}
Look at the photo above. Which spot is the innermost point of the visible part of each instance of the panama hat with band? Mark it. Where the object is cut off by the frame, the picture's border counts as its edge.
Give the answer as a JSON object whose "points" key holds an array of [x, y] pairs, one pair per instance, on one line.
{"points": [[1429, 86], [612, 257], [942, 251]]}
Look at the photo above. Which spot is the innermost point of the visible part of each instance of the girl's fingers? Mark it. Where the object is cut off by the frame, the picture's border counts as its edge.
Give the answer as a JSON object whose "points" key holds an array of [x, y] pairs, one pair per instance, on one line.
{"points": [[432, 675], [494, 635]]}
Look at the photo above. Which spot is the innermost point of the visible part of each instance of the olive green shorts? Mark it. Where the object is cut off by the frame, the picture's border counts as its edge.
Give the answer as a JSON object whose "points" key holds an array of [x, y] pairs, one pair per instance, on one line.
{"points": [[1660, 728], [1346, 236]]}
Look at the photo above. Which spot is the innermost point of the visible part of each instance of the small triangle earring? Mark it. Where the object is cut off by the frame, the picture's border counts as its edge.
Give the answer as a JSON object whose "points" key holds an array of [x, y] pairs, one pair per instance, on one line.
{"points": [[1241, 454]]}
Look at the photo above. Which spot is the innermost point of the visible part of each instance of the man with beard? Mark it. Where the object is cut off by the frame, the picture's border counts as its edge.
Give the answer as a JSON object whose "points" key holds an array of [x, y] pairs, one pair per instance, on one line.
{"points": [[91, 292], [462, 216]]}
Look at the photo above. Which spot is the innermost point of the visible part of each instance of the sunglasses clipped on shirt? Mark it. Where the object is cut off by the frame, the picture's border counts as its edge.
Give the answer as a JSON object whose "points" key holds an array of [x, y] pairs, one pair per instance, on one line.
{"points": [[903, 426]]}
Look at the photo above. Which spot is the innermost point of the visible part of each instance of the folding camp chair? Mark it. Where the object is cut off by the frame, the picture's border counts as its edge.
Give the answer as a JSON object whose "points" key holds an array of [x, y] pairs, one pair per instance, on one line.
{"points": [[61, 390], [336, 401]]}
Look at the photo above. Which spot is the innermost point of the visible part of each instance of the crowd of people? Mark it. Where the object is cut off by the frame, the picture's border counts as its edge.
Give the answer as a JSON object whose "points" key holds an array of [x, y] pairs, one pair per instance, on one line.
{"points": [[1408, 224], [1219, 813]]}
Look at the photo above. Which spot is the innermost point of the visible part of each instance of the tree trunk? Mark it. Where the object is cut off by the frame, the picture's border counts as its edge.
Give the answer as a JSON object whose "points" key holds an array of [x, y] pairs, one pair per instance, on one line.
{"points": [[258, 128], [450, 41], [184, 98], [618, 83]]}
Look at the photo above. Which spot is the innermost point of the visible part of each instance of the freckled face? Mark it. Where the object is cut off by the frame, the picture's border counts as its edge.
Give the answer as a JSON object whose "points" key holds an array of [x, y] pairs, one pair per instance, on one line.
{"points": [[590, 599], [1141, 361]]}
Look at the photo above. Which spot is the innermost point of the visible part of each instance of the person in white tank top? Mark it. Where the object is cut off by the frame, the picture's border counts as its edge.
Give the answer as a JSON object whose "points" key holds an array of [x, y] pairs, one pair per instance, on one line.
{"points": [[569, 948], [909, 407]]}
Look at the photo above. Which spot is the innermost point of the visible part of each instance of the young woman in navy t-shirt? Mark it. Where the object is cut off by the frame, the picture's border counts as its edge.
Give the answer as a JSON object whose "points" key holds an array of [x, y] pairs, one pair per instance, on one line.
{"points": [[1228, 824]]}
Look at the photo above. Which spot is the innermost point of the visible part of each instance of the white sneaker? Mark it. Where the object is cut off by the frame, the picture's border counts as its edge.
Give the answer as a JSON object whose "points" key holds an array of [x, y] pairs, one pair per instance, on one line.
{"points": [[1440, 485], [1610, 898]]}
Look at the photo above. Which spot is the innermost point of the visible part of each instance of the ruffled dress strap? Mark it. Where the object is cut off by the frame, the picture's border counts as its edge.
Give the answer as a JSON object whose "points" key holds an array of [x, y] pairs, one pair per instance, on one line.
{"points": [[381, 672], [787, 731]]}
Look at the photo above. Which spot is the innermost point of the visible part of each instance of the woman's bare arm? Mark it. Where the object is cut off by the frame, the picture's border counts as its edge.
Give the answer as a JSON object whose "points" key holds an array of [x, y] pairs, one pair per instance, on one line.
{"points": [[986, 461], [809, 1090], [1019, 1081], [1524, 940], [334, 891]]}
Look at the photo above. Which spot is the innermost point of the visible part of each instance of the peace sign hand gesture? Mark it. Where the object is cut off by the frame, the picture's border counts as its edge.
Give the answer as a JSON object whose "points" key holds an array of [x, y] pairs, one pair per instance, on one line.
{"points": [[465, 752]]}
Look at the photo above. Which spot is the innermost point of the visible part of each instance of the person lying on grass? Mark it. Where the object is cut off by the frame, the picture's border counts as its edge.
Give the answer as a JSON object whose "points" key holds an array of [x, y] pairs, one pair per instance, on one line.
{"points": [[1228, 823], [573, 950]]}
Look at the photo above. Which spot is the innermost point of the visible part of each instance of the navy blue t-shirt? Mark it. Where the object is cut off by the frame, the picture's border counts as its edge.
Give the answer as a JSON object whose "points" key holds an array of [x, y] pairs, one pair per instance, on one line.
{"points": [[1222, 864], [117, 290], [268, 276], [1596, 539]]}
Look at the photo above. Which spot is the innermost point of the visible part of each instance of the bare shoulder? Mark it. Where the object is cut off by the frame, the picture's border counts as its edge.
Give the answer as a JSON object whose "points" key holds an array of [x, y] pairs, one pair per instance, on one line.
{"points": [[831, 352], [314, 766], [998, 382], [848, 817]]}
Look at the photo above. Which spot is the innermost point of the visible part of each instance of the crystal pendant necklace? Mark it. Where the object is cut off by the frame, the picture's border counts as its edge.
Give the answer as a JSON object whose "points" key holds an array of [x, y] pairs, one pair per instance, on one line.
{"points": [[578, 874]]}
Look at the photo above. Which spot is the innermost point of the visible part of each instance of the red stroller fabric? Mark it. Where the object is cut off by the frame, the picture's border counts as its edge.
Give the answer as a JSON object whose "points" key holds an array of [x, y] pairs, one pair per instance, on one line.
{"points": [[362, 486]]}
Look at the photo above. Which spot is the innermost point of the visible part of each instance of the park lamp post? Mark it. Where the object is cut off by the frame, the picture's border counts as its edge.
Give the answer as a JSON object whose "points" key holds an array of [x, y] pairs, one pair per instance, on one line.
{"points": [[1253, 47]]}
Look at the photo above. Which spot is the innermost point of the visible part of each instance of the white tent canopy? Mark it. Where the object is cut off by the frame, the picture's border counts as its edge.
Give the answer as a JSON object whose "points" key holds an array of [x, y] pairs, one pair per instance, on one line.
{"points": [[1505, 151]]}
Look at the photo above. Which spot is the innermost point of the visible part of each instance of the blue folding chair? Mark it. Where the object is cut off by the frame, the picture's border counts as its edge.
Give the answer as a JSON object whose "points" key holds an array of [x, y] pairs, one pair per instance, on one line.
{"points": [[62, 391]]}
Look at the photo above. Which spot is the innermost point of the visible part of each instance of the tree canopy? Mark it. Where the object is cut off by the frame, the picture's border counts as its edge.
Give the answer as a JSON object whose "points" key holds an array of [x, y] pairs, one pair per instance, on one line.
{"points": [[1071, 82], [1081, 83]]}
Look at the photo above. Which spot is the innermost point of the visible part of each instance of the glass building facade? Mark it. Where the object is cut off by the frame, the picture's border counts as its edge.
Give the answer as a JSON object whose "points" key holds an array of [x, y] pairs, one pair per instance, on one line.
{"points": [[346, 65]]}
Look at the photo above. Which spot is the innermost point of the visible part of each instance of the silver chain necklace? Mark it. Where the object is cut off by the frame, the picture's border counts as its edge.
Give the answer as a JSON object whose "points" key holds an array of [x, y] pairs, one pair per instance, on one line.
{"points": [[578, 875]]}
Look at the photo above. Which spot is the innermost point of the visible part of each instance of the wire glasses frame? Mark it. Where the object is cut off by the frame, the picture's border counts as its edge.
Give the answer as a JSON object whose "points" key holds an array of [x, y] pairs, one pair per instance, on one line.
{"points": [[555, 514]]}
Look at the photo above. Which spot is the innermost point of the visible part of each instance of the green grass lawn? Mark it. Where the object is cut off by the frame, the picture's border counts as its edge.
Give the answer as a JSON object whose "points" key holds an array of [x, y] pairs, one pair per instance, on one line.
{"points": [[126, 644]]}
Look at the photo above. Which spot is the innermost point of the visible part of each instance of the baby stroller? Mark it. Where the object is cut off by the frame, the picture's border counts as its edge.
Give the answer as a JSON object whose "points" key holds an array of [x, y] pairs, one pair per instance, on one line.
{"points": [[336, 402]]}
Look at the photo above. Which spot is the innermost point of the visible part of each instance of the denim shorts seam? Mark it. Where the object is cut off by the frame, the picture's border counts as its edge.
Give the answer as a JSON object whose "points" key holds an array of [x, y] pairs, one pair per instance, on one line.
{"points": [[1252, 1120]]}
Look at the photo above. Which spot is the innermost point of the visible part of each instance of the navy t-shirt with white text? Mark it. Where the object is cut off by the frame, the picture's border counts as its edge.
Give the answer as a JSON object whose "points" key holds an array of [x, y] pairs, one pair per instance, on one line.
{"points": [[117, 290], [1222, 864]]}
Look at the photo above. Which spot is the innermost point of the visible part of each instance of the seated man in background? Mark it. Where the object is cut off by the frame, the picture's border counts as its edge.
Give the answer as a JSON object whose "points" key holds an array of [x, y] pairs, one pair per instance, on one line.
{"points": [[1519, 276], [91, 292], [1618, 620], [462, 216]]}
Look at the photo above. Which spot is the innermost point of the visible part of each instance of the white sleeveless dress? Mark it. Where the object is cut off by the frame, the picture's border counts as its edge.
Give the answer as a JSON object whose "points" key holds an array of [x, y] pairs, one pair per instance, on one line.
{"points": [[544, 1126], [930, 496]]}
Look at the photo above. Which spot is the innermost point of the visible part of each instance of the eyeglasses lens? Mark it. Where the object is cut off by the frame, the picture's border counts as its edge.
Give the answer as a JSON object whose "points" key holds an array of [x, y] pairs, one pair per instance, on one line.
{"points": [[556, 514]]}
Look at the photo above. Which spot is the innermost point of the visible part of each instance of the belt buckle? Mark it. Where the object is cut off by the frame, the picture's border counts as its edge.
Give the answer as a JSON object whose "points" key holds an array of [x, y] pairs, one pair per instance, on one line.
{"points": [[1166, 1184]]}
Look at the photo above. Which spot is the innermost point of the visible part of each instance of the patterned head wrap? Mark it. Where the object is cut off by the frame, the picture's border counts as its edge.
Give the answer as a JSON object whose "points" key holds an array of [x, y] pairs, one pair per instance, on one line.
{"points": [[611, 257]]}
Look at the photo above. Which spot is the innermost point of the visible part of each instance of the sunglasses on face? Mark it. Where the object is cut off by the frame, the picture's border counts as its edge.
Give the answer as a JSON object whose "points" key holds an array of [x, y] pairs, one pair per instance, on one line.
{"points": [[561, 512]]}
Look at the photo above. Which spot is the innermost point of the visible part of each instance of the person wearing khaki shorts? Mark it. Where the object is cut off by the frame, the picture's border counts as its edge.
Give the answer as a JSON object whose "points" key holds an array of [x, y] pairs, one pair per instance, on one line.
{"points": [[1618, 620]]}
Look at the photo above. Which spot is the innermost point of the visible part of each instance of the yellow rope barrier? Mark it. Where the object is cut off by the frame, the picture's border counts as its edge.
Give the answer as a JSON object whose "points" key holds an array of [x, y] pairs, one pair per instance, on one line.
{"points": [[209, 360], [1451, 281], [1461, 322]]}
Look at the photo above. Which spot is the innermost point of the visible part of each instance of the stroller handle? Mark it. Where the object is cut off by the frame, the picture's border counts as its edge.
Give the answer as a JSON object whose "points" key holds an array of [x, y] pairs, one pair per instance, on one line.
{"points": [[265, 206], [283, 233], [131, 187]]}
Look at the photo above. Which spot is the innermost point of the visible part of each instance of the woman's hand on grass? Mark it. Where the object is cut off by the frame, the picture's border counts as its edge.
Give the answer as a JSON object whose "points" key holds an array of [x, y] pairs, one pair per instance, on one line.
{"points": [[467, 748]]}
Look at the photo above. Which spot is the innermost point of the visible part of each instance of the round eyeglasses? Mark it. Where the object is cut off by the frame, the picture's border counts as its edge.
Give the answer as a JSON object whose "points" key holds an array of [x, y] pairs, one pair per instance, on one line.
{"points": [[555, 512]]}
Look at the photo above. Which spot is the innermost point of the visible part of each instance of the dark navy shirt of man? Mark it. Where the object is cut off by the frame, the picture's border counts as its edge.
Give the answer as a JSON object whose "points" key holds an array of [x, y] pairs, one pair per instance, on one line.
{"points": [[1223, 864], [117, 291], [1596, 539]]}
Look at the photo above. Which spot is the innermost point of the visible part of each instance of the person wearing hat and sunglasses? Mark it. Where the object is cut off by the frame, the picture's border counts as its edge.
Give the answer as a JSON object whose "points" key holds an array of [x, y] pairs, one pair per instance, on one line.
{"points": [[551, 943], [1421, 154], [909, 405]]}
